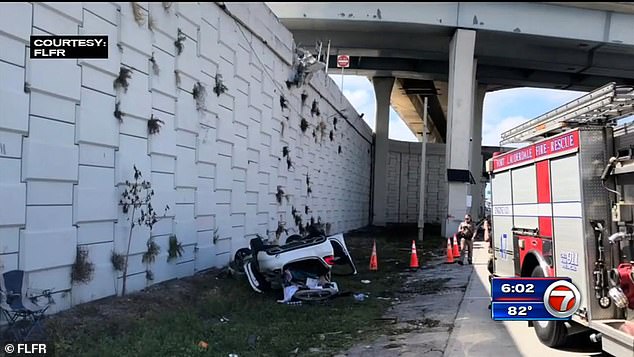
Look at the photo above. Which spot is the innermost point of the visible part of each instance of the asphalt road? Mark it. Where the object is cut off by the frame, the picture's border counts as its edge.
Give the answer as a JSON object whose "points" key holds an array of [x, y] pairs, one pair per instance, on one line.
{"points": [[475, 334]]}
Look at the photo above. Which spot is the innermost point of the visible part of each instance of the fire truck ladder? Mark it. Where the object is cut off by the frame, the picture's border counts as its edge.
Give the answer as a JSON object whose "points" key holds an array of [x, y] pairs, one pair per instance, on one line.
{"points": [[603, 106]]}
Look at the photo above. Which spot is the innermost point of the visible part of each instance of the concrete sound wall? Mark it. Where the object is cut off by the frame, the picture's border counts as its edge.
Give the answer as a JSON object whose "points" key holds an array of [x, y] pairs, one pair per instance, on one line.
{"points": [[64, 156], [404, 183]]}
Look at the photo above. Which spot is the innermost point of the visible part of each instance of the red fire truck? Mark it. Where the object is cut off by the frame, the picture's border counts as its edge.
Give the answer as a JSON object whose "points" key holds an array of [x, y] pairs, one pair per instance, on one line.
{"points": [[563, 206]]}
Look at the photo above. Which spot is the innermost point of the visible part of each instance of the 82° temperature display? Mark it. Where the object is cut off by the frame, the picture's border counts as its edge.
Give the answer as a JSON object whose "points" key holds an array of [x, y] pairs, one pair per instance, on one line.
{"points": [[534, 299]]}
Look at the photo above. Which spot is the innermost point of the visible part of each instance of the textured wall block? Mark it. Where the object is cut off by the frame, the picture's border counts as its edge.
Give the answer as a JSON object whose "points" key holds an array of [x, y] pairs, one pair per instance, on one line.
{"points": [[10, 145], [94, 155], [16, 20], [51, 21], [49, 152], [238, 197], [163, 102], [188, 63], [209, 41], [165, 20], [164, 164], [205, 202], [104, 10], [95, 196], [48, 106], [185, 167], [132, 151], [14, 115], [185, 224], [49, 193], [137, 101], [92, 24], [94, 124], [59, 78], [10, 241], [165, 81], [134, 35], [185, 195], [164, 193], [163, 142], [36, 246], [206, 145], [95, 232], [13, 51], [186, 113]]}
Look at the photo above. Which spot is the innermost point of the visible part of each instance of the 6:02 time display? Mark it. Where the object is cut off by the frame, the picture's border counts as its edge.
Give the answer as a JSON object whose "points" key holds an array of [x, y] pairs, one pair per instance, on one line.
{"points": [[518, 288]]}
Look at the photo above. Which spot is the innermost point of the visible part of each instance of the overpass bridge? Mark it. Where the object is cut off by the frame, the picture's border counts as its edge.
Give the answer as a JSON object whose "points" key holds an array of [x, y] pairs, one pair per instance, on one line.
{"points": [[453, 53]]}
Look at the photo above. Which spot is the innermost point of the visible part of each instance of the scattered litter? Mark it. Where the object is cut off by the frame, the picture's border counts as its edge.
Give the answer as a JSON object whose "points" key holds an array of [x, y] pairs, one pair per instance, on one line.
{"points": [[387, 319], [295, 351], [313, 283], [365, 281], [314, 350], [224, 319], [360, 297], [383, 298], [322, 336], [233, 355], [203, 344], [289, 292]]}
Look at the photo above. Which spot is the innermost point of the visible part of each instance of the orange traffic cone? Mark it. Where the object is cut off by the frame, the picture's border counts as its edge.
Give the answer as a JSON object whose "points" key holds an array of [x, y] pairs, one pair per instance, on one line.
{"points": [[456, 249], [413, 262], [374, 265], [449, 252]]}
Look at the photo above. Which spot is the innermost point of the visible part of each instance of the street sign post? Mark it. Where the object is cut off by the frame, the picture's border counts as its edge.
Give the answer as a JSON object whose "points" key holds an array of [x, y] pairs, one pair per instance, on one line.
{"points": [[343, 61]]}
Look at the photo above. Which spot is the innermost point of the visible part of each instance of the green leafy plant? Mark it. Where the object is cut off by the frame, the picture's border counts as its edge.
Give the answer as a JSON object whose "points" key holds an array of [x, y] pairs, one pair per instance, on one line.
{"points": [[153, 250], [304, 97], [118, 261], [280, 229], [280, 195], [177, 77], [283, 102], [175, 248], [303, 124], [122, 79], [180, 38], [137, 197], [117, 111], [289, 163], [285, 151], [149, 275], [220, 86], [83, 268], [154, 125], [155, 67], [199, 92], [216, 236], [314, 110]]}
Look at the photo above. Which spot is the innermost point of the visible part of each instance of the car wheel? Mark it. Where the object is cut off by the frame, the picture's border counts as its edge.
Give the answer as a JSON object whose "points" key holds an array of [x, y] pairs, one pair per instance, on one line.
{"points": [[550, 333]]}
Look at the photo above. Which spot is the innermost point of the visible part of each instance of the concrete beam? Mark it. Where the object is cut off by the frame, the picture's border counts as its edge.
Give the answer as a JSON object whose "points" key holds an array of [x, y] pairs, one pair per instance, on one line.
{"points": [[459, 117], [382, 91], [476, 152]]}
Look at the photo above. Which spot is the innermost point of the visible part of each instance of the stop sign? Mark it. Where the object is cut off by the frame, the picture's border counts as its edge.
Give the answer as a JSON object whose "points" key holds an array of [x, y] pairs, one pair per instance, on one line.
{"points": [[343, 61]]}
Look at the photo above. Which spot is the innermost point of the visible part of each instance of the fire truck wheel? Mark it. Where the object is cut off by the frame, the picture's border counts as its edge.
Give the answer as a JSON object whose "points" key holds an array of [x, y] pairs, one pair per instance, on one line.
{"points": [[550, 333]]}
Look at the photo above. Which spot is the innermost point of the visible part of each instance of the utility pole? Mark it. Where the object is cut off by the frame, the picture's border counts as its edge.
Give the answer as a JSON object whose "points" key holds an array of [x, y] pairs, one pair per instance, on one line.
{"points": [[423, 173]]}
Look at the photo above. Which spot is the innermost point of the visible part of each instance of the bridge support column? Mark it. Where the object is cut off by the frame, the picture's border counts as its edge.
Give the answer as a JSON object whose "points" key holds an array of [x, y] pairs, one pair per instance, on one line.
{"points": [[382, 92], [476, 150], [459, 118]]}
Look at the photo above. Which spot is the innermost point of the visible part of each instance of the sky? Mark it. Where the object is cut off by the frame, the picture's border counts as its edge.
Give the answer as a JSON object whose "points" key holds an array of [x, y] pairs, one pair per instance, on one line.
{"points": [[503, 109]]}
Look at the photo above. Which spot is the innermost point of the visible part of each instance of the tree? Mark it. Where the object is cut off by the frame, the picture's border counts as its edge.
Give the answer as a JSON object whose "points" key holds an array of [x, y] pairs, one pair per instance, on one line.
{"points": [[137, 196]]}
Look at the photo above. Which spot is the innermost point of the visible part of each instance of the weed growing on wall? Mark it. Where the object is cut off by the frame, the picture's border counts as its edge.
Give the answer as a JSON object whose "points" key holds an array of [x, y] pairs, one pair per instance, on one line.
{"points": [[155, 67], [151, 24], [175, 248], [179, 43], [283, 124], [339, 150], [117, 260], [137, 11], [137, 198], [83, 268], [177, 77], [280, 195], [122, 79], [283, 102], [314, 110], [303, 124], [153, 250], [334, 123], [304, 97], [285, 151], [220, 86], [332, 135], [199, 92], [117, 112], [216, 236], [154, 125]]}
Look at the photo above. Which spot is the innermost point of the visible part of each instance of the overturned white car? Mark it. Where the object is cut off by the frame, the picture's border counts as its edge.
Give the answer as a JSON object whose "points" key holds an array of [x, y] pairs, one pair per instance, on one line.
{"points": [[305, 263]]}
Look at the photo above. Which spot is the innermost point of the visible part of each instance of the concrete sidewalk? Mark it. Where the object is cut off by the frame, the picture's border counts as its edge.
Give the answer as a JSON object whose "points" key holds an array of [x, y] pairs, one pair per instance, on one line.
{"points": [[476, 334]]}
